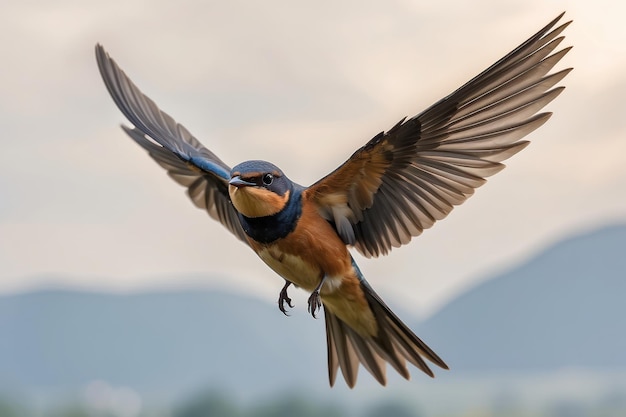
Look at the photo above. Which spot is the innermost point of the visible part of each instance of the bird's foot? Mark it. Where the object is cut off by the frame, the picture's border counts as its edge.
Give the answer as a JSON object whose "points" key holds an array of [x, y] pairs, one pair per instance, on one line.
{"points": [[315, 303], [284, 298]]}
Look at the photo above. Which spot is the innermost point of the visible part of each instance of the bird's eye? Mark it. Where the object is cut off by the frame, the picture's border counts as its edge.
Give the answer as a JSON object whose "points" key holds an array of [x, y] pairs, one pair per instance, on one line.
{"points": [[268, 179]]}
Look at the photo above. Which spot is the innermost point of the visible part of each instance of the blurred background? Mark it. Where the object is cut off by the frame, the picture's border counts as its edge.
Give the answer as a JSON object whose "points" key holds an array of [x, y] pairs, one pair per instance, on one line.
{"points": [[119, 298]]}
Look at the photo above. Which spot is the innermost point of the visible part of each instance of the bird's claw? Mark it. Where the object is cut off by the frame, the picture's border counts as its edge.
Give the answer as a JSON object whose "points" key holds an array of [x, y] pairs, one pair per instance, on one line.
{"points": [[284, 298], [315, 303]]}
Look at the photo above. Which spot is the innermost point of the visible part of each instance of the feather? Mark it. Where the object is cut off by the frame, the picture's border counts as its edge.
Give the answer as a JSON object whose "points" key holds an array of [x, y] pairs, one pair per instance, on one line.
{"points": [[434, 161]]}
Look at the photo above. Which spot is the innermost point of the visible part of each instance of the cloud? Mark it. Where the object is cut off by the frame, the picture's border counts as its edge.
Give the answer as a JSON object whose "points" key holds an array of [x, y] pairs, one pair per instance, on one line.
{"points": [[302, 85]]}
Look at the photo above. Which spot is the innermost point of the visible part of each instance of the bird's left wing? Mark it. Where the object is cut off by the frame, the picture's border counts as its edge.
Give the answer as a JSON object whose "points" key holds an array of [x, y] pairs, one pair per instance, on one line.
{"points": [[172, 146], [404, 180]]}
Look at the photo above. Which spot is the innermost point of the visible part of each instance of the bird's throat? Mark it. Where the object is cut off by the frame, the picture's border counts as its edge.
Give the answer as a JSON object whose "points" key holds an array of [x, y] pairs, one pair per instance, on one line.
{"points": [[257, 202], [267, 229]]}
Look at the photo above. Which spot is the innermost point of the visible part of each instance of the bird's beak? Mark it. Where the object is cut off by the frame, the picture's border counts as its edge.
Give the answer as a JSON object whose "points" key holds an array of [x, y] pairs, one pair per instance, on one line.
{"points": [[238, 182]]}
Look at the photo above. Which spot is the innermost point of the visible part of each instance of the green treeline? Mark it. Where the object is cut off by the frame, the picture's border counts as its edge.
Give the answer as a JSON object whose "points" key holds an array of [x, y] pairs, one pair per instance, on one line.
{"points": [[215, 404]]}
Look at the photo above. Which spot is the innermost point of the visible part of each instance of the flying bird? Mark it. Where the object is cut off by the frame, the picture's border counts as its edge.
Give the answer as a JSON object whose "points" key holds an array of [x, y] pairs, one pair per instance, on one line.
{"points": [[399, 183]]}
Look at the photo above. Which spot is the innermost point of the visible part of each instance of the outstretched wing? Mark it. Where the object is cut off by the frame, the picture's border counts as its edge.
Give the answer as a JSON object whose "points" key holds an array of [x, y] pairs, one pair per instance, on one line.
{"points": [[171, 145], [402, 181]]}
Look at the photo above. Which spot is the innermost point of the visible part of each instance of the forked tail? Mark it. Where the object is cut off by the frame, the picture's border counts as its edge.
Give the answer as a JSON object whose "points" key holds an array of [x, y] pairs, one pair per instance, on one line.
{"points": [[395, 343]]}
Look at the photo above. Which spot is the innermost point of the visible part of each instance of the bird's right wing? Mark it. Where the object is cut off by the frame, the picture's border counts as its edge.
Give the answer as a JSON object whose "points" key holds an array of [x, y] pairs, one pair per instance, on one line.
{"points": [[171, 145]]}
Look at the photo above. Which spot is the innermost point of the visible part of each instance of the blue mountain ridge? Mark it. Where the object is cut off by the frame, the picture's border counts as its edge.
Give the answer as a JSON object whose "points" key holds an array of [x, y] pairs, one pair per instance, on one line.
{"points": [[158, 343], [564, 308]]}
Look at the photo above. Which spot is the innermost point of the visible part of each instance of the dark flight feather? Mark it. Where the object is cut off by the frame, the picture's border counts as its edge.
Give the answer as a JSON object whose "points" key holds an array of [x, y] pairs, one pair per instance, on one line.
{"points": [[434, 161]]}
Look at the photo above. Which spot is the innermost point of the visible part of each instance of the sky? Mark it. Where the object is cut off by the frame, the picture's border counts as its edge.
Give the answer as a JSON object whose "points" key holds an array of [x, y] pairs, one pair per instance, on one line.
{"points": [[303, 85]]}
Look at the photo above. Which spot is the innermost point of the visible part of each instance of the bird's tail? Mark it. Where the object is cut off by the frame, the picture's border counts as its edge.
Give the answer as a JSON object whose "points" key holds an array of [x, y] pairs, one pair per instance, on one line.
{"points": [[395, 343]]}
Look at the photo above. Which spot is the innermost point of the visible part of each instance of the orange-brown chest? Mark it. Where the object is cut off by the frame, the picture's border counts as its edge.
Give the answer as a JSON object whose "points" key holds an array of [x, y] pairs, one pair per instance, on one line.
{"points": [[313, 249]]}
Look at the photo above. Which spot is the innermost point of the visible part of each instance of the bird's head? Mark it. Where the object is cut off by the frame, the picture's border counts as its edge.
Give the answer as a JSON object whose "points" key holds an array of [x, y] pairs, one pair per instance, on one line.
{"points": [[258, 188]]}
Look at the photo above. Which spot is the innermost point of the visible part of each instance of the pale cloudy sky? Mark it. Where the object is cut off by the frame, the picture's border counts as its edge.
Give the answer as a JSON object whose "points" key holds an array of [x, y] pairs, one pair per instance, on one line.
{"points": [[302, 84]]}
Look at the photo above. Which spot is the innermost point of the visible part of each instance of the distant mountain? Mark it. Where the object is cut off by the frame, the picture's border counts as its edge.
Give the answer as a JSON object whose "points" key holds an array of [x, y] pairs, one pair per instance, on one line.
{"points": [[158, 343], [566, 307]]}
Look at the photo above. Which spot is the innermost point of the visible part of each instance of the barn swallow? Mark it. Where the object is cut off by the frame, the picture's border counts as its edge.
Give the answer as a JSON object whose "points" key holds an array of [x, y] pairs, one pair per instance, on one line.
{"points": [[398, 184]]}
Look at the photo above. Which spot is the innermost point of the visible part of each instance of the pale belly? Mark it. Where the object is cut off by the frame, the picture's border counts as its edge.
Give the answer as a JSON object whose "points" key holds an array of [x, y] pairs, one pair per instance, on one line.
{"points": [[341, 292], [298, 271]]}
